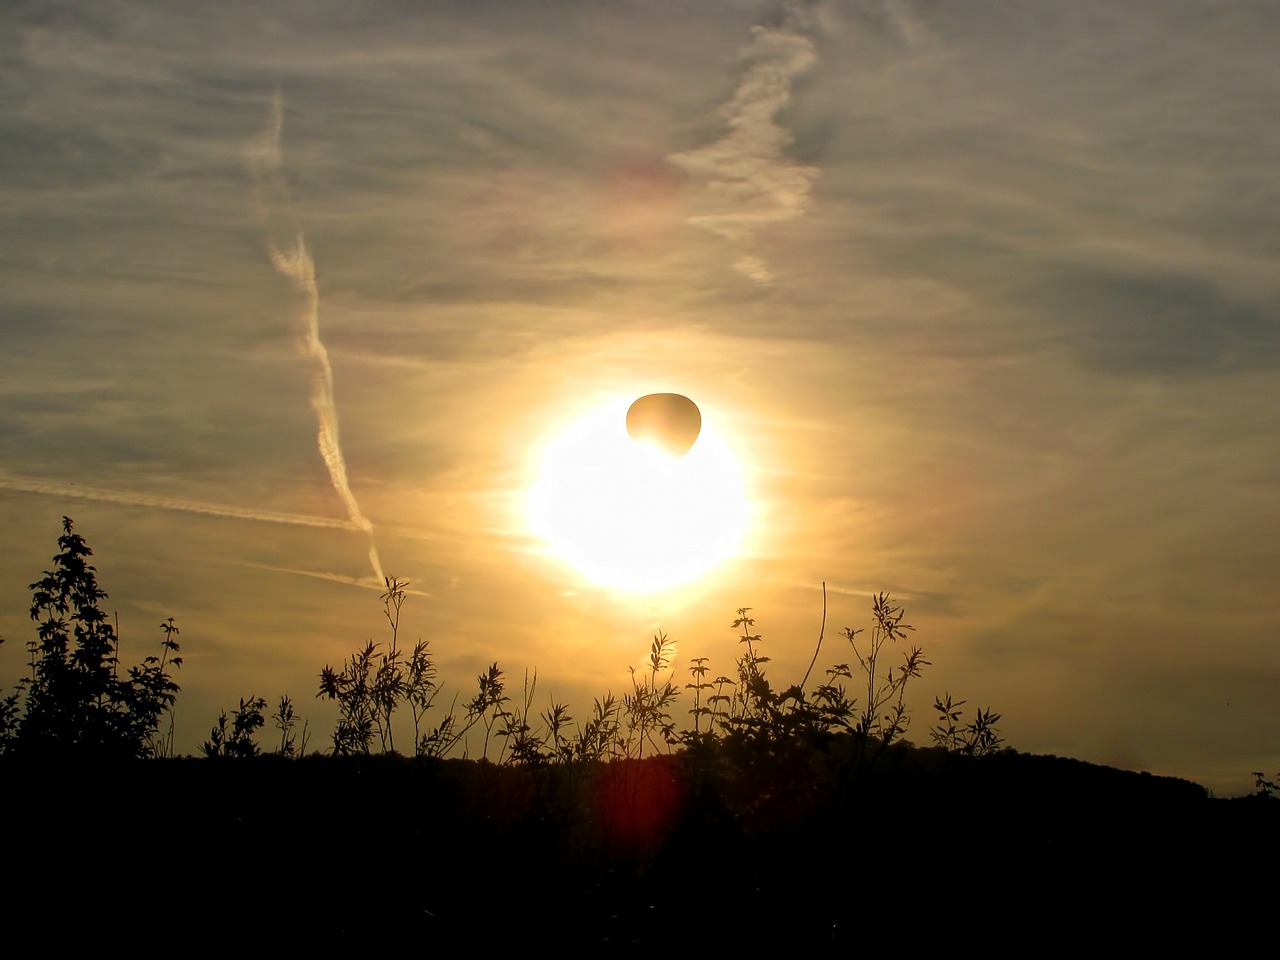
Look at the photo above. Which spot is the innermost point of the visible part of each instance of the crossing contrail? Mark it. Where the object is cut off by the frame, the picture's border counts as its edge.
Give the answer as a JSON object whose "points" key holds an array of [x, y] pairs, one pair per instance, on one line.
{"points": [[44, 488]]}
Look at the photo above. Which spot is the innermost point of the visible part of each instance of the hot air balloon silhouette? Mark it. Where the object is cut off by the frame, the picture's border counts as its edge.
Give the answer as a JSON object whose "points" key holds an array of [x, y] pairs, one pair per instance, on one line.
{"points": [[669, 420]]}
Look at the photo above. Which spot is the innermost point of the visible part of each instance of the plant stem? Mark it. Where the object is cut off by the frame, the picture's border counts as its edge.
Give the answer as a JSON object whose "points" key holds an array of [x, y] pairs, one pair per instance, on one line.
{"points": [[821, 631]]}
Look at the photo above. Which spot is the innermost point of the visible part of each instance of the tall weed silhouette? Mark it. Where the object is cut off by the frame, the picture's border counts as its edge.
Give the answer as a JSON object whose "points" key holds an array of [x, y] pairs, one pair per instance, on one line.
{"points": [[646, 709], [285, 720], [884, 712]]}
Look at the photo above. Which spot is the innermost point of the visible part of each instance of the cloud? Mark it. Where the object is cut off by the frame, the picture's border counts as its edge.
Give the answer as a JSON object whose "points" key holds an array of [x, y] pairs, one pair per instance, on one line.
{"points": [[755, 269], [1130, 323], [747, 178]]}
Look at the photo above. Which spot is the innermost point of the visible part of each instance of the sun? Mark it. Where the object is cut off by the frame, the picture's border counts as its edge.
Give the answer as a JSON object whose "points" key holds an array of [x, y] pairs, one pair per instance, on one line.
{"points": [[630, 516]]}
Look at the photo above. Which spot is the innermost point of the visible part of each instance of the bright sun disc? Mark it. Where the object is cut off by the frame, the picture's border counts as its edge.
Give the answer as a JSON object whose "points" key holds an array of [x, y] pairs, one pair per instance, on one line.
{"points": [[630, 516]]}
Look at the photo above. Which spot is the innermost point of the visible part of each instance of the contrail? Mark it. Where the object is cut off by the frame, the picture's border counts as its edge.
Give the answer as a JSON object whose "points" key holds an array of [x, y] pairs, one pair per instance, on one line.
{"points": [[334, 578], [748, 178], [295, 262], [43, 488]]}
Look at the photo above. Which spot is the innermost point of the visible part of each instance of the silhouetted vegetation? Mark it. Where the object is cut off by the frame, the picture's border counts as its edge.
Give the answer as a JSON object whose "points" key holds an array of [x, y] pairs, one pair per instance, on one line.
{"points": [[236, 740], [370, 687], [976, 739], [74, 703], [293, 742], [795, 814]]}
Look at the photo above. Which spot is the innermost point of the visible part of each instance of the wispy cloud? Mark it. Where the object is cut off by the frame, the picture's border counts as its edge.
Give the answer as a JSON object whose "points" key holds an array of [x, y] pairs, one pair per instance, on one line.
{"points": [[748, 179], [265, 160]]}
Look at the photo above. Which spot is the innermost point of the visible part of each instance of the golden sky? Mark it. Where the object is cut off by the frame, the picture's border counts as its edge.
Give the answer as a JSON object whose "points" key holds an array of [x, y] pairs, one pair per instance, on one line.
{"points": [[979, 300]]}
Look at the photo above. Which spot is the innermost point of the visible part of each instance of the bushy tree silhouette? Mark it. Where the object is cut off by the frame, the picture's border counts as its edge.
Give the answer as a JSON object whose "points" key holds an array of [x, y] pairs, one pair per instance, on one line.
{"points": [[75, 701]]}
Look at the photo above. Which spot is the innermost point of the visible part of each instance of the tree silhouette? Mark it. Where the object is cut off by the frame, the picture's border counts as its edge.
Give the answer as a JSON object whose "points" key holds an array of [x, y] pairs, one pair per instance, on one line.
{"points": [[76, 703]]}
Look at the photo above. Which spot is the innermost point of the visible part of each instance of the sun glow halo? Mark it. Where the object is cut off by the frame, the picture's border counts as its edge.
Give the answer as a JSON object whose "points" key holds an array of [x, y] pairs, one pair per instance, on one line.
{"points": [[630, 516]]}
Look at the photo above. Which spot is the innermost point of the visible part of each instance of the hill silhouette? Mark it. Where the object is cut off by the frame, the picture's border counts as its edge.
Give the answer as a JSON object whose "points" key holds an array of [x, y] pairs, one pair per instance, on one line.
{"points": [[365, 852]]}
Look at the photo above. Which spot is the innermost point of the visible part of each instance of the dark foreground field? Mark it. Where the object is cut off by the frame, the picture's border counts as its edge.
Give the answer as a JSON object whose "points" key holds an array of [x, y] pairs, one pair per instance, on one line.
{"points": [[693, 851]]}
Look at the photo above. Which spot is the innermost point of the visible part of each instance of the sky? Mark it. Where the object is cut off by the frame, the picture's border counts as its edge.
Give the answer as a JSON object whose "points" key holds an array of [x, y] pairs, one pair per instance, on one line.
{"points": [[979, 297]]}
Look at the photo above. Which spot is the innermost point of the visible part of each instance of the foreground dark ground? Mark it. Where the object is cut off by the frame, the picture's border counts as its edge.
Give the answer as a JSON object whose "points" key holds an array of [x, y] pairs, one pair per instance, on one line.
{"points": [[799, 846]]}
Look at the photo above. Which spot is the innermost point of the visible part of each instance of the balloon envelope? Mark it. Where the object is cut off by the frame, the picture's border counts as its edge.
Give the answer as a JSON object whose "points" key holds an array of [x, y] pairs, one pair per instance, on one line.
{"points": [[668, 419]]}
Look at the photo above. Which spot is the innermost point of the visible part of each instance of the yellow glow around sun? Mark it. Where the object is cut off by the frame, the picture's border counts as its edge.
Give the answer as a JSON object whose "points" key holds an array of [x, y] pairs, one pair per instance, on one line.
{"points": [[628, 515]]}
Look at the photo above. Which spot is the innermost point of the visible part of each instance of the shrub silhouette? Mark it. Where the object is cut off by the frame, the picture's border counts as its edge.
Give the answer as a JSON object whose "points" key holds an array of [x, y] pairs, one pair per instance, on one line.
{"points": [[237, 742], [748, 710], [74, 703], [370, 687], [976, 739]]}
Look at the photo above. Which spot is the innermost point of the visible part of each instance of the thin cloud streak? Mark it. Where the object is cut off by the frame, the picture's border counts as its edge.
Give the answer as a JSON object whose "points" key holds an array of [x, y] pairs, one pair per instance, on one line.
{"points": [[265, 159], [749, 180], [366, 582], [45, 489]]}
